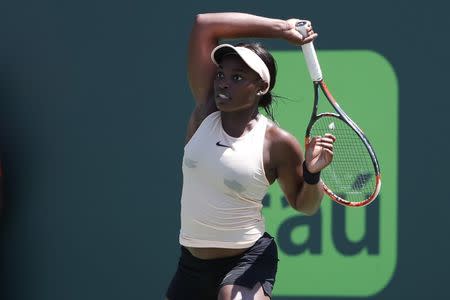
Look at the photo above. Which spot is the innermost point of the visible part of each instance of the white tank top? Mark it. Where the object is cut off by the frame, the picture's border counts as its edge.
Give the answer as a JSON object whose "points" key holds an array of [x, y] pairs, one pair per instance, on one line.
{"points": [[223, 186]]}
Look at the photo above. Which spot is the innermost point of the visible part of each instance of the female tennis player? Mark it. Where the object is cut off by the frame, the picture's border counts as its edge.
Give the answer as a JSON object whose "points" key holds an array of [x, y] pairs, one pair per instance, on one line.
{"points": [[233, 153]]}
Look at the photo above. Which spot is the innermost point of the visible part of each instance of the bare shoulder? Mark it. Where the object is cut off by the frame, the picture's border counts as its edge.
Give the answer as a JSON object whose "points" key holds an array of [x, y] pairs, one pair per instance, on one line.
{"points": [[279, 137], [282, 145], [200, 112]]}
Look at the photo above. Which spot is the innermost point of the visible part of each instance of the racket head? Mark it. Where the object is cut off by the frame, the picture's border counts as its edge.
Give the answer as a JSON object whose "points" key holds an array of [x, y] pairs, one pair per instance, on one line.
{"points": [[353, 177]]}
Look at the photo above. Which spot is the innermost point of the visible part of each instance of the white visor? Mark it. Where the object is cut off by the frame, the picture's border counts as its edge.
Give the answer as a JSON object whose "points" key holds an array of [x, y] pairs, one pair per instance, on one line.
{"points": [[248, 56]]}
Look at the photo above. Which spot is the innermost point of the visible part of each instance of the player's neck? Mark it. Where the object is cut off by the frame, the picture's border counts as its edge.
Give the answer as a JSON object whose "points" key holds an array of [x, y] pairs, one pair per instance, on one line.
{"points": [[238, 123]]}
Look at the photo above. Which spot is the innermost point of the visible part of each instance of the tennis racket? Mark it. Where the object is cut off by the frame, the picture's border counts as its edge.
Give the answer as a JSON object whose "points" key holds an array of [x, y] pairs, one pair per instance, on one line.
{"points": [[353, 178]]}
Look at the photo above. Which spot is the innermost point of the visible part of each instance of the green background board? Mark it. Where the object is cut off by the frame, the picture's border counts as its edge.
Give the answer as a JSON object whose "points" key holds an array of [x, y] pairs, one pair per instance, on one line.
{"points": [[365, 86], [94, 103]]}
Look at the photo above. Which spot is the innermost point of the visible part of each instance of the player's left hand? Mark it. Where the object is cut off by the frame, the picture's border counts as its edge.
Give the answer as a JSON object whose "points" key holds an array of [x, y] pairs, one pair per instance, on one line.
{"points": [[319, 152]]}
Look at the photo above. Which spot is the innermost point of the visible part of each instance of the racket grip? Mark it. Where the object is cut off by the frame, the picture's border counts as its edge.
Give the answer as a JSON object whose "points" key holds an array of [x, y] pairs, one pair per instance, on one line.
{"points": [[310, 53]]}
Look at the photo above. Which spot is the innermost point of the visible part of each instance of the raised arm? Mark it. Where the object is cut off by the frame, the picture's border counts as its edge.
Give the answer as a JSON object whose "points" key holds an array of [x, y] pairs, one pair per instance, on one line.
{"points": [[209, 28]]}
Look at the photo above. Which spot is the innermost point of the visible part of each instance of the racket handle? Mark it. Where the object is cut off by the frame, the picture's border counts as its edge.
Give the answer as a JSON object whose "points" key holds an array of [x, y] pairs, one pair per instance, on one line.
{"points": [[310, 53]]}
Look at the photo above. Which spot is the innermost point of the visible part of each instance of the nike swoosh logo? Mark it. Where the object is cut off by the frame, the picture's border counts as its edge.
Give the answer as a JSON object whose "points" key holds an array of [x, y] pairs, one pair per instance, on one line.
{"points": [[221, 145]]}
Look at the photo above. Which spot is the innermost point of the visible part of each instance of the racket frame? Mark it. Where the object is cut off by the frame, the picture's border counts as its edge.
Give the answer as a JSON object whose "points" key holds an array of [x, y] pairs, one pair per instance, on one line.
{"points": [[346, 119]]}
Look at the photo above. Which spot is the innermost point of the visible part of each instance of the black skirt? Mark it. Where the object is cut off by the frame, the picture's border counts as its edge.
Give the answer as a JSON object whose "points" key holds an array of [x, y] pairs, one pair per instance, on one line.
{"points": [[202, 278]]}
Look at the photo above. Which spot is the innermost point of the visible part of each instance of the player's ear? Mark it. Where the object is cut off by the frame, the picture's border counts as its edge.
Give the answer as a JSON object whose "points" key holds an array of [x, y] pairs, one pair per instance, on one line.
{"points": [[262, 87]]}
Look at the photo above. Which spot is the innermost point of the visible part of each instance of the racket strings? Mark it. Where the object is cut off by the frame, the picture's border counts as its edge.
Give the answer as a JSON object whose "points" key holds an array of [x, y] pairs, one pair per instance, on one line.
{"points": [[351, 174]]}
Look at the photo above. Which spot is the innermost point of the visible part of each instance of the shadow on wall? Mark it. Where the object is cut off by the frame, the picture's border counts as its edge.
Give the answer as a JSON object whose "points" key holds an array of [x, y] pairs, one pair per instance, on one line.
{"points": [[14, 141], [7, 148]]}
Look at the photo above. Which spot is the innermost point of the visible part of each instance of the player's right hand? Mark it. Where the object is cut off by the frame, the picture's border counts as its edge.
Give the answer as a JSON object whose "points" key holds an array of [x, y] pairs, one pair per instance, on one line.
{"points": [[293, 36]]}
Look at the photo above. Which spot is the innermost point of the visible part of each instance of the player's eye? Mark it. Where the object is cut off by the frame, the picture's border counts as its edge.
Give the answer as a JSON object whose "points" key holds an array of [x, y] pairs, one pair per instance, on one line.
{"points": [[219, 75], [237, 77]]}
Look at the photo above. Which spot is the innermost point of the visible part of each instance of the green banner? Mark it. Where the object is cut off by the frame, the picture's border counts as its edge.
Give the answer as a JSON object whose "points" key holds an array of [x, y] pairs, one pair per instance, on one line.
{"points": [[339, 251]]}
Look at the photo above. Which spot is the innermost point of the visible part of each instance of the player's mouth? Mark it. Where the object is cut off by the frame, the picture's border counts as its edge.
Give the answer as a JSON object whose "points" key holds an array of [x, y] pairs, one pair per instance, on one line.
{"points": [[223, 97]]}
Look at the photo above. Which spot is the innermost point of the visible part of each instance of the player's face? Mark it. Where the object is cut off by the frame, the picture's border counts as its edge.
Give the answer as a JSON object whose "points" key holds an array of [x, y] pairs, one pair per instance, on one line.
{"points": [[236, 85]]}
